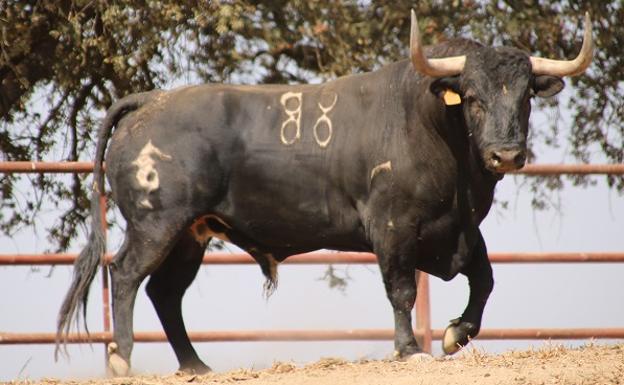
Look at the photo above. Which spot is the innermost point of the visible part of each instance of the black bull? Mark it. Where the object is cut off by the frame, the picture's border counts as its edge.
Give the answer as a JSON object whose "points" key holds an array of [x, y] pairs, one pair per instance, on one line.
{"points": [[373, 162]]}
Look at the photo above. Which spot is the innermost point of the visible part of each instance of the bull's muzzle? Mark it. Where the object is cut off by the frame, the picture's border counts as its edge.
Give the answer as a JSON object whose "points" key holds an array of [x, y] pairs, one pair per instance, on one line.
{"points": [[505, 160]]}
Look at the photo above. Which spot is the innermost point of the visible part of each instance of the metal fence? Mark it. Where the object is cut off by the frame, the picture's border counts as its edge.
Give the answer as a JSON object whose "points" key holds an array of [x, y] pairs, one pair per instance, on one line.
{"points": [[422, 327]]}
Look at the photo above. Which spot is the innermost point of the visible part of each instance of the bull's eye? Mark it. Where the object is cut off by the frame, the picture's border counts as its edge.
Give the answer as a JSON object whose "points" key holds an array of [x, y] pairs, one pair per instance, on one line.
{"points": [[476, 108]]}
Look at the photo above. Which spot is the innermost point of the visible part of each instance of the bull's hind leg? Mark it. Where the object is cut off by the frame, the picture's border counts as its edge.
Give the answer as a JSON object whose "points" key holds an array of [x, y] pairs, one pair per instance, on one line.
{"points": [[142, 252], [166, 287], [479, 274]]}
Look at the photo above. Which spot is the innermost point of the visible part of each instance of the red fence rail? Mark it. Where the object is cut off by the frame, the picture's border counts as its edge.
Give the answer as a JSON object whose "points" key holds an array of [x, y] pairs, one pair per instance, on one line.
{"points": [[529, 169], [422, 329], [315, 258]]}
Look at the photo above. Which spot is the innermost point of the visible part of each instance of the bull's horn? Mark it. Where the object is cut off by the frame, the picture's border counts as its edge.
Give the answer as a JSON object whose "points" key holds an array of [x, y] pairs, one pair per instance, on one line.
{"points": [[568, 67], [449, 66]]}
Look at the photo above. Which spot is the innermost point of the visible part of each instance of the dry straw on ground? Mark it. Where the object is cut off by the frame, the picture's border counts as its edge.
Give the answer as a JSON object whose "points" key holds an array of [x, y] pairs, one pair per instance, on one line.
{"points": [[550, 364]]}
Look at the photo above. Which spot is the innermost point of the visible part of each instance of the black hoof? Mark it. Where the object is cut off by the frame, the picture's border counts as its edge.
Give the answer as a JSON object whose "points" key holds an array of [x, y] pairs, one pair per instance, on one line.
{"points": [[421, 357], [195, 368], [407, 352], [457, 335]]}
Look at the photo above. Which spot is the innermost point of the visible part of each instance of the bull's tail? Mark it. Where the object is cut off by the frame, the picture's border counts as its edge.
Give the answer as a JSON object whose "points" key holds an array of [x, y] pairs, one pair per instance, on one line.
{"points": [[85, 267]]}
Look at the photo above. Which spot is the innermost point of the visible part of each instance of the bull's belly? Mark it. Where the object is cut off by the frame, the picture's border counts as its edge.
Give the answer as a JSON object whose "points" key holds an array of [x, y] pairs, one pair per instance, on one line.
{"points": [[298, 237], [283, 227]]}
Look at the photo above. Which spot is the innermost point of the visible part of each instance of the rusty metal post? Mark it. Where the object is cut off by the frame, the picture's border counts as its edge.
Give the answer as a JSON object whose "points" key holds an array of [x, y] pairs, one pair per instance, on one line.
{"points": [[423, 311]]}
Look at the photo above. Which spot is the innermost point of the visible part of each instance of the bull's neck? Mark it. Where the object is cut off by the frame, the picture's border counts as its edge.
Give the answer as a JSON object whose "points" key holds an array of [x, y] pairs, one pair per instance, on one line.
{"points": [[444, 127]]}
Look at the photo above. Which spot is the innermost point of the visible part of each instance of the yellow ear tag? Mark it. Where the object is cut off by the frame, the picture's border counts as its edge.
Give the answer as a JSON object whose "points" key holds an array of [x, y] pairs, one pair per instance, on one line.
{"points": [[451, 98]]}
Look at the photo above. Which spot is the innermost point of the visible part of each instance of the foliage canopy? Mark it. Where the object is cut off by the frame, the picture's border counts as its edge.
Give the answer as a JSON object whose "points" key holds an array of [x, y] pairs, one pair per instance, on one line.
{"points": [[62, 63]]}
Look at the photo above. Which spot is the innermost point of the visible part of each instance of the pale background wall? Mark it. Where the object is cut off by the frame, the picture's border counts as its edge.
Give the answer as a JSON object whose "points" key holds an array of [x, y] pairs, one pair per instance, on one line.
{"points": [[222, 297]]}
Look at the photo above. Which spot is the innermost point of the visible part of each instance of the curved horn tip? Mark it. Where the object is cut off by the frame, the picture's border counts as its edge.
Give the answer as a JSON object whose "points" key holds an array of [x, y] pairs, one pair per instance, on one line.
{"points": [[438, 67], [414, 31], [587, 25], [588, 41], [573, 67]]}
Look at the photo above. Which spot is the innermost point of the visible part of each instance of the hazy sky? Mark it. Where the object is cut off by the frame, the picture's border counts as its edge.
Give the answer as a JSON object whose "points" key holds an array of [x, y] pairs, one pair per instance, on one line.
{"points": [[230, 298]]}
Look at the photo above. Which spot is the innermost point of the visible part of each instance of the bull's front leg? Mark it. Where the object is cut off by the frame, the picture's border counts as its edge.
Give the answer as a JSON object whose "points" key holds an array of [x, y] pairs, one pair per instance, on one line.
{"points": [[481, 282], [400, 283]]}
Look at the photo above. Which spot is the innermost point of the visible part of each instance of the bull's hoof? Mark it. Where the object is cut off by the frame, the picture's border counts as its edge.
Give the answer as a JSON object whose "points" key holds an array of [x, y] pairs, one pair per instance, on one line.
{"points": [[419, 358], [117, 366], [412, 357], [197, 368], [457, 335]]}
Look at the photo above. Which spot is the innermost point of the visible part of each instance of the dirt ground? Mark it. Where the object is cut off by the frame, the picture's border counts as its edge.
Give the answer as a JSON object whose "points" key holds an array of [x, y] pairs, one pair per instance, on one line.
{"points": [[552, 364]]}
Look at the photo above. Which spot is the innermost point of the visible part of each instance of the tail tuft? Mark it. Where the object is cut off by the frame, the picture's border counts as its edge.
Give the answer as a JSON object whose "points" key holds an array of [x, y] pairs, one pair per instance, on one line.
{"points": [[74, 305]]}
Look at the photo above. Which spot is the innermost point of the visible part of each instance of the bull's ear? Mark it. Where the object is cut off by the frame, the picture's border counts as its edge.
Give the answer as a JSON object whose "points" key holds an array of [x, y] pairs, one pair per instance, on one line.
{"points": [[447, 89], [546, 86], [439, 86]]}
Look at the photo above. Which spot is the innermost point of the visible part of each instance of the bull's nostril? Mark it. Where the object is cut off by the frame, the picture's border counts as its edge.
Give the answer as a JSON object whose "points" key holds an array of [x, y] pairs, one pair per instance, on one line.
{"points": [[495, 159], [520, 159], [506, 160]]}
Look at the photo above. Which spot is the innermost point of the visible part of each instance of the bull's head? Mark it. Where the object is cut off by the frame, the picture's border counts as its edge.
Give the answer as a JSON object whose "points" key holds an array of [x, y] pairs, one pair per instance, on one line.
{"points": [[495, 86]]}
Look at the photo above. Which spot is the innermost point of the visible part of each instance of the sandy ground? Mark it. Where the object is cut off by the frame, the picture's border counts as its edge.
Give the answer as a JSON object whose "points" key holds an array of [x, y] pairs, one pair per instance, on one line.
{"points": [[552, 364]]}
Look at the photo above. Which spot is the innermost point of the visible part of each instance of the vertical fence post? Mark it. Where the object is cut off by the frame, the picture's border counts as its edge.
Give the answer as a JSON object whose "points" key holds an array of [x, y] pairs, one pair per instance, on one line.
{"points": [[423, 310], [105, 285]]}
